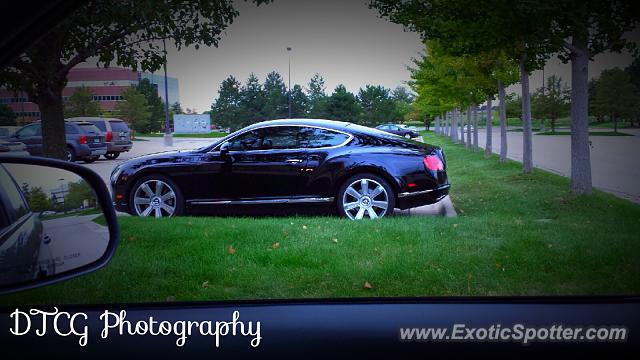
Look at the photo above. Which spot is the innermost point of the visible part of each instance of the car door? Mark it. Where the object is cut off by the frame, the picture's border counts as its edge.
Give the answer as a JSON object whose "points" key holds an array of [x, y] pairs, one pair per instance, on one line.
{"points": [[31, 136], [266, 163]]}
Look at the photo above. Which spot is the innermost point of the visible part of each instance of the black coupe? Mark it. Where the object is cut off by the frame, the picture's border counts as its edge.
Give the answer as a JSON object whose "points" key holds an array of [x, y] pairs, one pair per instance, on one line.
{"points": [[363, 171]]}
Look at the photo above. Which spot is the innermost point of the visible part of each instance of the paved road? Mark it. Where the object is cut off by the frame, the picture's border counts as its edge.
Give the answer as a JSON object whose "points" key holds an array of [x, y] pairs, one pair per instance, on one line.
{"points": [[615, 160], [103, 167], [75, 241]]}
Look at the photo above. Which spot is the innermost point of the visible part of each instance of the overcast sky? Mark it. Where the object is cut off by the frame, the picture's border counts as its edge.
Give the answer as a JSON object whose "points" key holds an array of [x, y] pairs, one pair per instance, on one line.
{"points": [[343, 40]]}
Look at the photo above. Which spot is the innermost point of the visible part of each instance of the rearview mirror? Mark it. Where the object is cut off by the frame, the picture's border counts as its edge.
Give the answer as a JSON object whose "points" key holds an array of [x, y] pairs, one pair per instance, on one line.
{"points": [[56, 222]]}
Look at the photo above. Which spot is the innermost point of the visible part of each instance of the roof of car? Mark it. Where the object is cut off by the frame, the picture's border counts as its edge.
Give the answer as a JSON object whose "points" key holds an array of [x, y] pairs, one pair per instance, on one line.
{"points": [[91, 118]]}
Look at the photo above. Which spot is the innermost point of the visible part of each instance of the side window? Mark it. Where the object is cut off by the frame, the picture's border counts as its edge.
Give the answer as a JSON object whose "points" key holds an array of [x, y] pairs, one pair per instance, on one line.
{"points": [[70, 129], [99, 124], [280, 137], [313, 138], [28, 131], [16, 201], [248, 141]]}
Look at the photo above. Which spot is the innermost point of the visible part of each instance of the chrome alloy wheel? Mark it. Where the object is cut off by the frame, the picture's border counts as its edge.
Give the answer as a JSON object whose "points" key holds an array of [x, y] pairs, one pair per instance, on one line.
{"points": [[154, 198], [365, 197]]}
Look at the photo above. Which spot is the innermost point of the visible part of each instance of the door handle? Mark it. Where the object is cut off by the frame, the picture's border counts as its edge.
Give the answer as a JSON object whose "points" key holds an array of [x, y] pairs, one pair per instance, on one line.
{"points": [[294, 161]]}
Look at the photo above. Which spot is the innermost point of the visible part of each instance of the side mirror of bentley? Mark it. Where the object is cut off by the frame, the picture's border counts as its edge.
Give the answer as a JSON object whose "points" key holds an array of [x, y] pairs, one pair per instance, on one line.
{"points": [[56, 222], [224, 148]]}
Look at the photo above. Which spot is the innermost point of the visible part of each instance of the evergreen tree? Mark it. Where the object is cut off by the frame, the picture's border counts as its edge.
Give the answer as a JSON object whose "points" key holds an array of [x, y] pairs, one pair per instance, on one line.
{"points": [[277, 101], [343, 105], [225, 111]]}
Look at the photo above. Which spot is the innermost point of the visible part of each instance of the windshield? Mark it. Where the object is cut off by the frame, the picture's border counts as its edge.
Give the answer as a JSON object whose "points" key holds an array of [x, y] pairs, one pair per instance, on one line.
{"points": [[406, 166]]}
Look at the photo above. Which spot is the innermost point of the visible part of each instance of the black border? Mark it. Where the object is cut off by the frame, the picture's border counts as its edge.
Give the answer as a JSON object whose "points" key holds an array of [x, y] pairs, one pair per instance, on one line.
{"points": [[104, 199]]}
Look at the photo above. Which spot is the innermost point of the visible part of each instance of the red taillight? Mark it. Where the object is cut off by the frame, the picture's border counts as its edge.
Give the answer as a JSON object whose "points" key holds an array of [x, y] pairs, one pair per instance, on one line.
{"points": [[109, 136], [433, 162], [83, 139]]}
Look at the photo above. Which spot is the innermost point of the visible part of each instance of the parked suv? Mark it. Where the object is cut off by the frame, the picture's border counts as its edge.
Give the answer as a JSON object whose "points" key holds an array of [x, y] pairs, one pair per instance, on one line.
{"points": [[115, 131], [84, 141]]}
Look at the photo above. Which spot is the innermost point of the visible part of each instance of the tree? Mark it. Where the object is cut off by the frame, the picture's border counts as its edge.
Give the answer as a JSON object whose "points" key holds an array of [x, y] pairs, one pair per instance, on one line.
{"points": [[551, 101], [377, 105], [277, 100], [252, 101], [514, 106], [343, 105], [616, 96], [81, 103], [38, 200], [594, 26], [317, 97], [7, 116], [154, 103], [77, 193], [517, 30], [111, 32], [134, 109], [225, 111], [299, 102], [176, 108]]}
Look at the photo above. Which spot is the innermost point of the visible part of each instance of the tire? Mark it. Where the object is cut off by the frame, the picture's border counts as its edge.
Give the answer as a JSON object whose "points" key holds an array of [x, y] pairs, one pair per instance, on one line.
{"points": [[71, 154], [138, 196], [91, 159], [111, 155], [407, 135], [364, 205]]}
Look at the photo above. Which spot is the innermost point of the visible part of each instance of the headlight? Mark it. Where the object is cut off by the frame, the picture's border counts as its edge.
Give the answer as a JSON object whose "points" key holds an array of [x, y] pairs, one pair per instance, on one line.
{"points": [[115, 174]]}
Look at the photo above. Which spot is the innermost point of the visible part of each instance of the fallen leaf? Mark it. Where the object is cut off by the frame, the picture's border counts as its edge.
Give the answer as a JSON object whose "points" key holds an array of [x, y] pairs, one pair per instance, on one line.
{"points": [[205, 284], [285, 232], [171, 298], [367, 285], [334, 240], [275, 245], [231, 250], [131, 238], [304, 227], [455, 225], [549, 245]]}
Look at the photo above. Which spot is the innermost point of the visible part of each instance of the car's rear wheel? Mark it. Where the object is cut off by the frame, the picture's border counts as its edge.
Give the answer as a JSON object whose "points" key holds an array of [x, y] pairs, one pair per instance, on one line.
{"points": [[365, 196], [407, 135], [70, 154], [158, 196], [111, 155]]}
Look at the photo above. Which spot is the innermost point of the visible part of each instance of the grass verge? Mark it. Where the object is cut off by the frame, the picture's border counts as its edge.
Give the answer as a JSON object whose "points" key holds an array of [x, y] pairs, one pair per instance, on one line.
{"points": [[516, 234]]}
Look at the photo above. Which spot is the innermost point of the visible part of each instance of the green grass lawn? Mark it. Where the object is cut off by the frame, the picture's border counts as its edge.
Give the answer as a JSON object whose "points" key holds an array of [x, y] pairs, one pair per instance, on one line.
{"points": [[215, 134], [516, 234]]}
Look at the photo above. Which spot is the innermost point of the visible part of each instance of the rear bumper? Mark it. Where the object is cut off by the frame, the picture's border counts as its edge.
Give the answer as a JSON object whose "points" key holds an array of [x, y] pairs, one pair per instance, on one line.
{"points": [[111, 147], [84, 150], [407, 200]]}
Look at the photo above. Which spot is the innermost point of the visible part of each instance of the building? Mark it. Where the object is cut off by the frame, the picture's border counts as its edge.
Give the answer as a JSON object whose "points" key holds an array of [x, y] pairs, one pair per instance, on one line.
{"points": [[106, 85]]}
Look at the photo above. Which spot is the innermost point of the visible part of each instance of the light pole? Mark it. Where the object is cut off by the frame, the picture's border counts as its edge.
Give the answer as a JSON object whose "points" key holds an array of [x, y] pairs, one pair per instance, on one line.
{"points": [[168, 138], [289, 92]]}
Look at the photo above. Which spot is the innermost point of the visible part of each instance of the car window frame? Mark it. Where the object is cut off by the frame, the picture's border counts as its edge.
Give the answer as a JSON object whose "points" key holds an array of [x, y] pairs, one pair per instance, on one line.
{"points": [[229, 140], [34, 126]]}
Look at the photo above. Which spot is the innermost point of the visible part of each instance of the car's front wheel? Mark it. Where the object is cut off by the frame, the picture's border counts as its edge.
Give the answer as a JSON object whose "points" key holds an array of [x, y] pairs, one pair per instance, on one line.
{"points": [[158, 196], [365, 196], [70, 154]]}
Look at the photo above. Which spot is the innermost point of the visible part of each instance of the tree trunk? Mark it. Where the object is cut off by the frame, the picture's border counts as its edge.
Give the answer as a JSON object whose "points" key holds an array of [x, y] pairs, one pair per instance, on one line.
{"points": [[436, 125], [52, 114], [553, 125], [527, 149], [462, 128], [580, 156], [475, 127], [489, 128], [503, 121], [454, 126], [615, 123], [468, 143]]}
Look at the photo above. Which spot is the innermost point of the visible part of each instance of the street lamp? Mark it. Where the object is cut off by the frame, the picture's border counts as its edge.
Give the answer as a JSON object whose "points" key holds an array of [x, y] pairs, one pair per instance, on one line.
{"points": [[168, 138], [289, 92]]}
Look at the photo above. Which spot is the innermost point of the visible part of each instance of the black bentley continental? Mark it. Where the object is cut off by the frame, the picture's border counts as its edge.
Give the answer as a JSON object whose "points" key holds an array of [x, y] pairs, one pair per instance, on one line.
{"points": [[363, 172]]}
